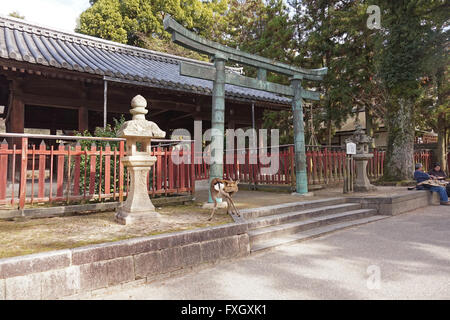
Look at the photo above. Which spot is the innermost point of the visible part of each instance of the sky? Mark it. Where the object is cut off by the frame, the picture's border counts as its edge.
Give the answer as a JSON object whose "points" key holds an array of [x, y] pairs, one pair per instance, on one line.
{"points": [[58, 14]]}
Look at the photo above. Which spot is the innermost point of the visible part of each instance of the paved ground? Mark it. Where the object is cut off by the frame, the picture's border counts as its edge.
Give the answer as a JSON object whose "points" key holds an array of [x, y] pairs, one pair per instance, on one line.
{"points": [[253, 199], [401, 257]]}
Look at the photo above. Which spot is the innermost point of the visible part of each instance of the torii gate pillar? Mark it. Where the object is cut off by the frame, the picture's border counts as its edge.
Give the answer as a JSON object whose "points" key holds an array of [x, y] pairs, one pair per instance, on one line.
{"points": [[217, 120], [299, 137]]}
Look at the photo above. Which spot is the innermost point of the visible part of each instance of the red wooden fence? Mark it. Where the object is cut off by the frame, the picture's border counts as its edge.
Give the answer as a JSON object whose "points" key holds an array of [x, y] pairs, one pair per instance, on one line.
{"points": [[324, 165], [70, 173]]}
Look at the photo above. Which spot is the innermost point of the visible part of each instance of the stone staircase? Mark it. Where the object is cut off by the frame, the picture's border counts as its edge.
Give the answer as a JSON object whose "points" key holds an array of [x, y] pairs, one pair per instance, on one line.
{"points": [[276, 225]]}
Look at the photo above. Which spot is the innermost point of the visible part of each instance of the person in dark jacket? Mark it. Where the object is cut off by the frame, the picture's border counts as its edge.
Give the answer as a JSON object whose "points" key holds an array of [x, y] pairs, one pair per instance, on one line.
{"points": [[438, 174], [421, 176]]}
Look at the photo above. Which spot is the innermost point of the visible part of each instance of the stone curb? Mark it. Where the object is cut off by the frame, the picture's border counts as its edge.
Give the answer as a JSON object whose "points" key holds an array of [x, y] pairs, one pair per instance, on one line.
{"points": [[71, 209], [33, 263], [397, 204], [106, 251]]}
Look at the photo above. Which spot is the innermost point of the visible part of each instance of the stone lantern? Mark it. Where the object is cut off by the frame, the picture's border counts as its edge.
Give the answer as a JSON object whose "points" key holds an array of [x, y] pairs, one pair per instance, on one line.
{"points": [[138, 133], [362, 183]]}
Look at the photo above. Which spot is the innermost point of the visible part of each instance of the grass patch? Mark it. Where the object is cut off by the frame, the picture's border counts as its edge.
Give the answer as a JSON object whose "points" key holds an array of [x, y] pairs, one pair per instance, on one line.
{"points": [[65, 232]]}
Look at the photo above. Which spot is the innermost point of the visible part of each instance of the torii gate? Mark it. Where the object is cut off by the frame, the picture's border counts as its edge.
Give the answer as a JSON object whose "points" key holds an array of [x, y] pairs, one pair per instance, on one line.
{"points": [[220, 54]]}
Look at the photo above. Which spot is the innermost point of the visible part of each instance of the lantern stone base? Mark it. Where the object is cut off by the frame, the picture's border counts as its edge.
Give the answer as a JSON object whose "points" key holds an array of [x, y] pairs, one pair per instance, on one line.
{"points": [[362, 183], [138, 206], [136, 217]]}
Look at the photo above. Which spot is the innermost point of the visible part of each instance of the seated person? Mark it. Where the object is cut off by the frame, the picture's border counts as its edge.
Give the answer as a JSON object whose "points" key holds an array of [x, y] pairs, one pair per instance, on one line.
{"points": [[421, 176], [438, 174]]}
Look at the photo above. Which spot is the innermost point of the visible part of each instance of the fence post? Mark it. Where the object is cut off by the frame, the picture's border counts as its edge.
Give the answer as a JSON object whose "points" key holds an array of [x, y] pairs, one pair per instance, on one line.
{"points": [[41, 181], [23, 173], [100, 157], [107, 169], [192, 165], [68, 174], [121, 155], [60, 171], [92, 169], [3, 169], [348, 178], [158, 167], [76, 170]]}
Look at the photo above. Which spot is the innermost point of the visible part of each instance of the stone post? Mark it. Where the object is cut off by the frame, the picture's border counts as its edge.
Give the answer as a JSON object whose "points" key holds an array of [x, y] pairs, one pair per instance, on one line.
{"points": [[138, 132], [362, 183]]}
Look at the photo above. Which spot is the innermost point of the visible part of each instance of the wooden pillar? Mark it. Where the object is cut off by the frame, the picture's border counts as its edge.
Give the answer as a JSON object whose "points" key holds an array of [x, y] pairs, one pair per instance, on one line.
{"points": [[15, 123], [16, 120], [83, 119]]}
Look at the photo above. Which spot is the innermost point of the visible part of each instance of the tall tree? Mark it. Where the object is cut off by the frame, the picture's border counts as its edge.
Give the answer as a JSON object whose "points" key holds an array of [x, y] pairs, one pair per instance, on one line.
{"points": [[402, 65], [357, 64], [328, 34], [433, 109]]}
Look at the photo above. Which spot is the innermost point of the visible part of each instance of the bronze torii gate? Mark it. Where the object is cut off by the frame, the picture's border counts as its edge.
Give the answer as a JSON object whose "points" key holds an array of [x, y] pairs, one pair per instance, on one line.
{"points": [[220, 54]]}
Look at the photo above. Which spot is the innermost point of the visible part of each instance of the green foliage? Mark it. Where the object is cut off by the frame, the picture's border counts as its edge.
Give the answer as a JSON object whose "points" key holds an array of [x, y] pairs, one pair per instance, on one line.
{"points": [[104, 20], [334, 34], [168, 46], [131, 21], [16, 14], [282, 120], [85, 162], [263, 28]]}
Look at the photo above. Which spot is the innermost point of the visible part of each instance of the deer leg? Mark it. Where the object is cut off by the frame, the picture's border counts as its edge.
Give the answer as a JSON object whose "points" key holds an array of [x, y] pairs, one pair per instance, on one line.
{"points": [[213, 210], [230, 200], [229, 211], [235, 209]]}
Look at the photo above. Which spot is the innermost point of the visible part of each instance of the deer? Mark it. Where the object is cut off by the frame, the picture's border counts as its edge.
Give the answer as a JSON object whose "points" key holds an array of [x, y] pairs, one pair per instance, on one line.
{"points": [[221, 188]]}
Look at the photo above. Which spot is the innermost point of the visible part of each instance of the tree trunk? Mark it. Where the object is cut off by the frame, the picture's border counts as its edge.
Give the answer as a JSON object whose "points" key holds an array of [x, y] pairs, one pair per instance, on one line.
{"points": [[441, 143], [399, 163], [369, 126], [329, 136]]}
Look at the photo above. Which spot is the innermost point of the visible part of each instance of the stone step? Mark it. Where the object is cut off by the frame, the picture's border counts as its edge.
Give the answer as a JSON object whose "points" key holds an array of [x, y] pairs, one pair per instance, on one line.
{"points": [[310, 234], [289, 207], [262, 234], [277, 219]]}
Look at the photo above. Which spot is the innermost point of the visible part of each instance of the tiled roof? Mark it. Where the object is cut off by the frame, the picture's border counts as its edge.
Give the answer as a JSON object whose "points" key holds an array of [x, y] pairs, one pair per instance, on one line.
{"points": [[23, 41]]}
